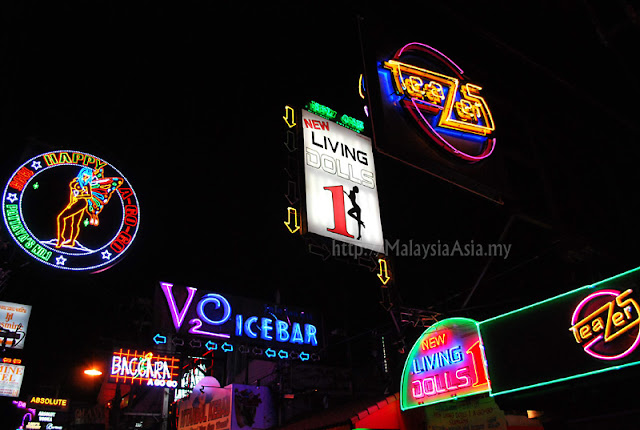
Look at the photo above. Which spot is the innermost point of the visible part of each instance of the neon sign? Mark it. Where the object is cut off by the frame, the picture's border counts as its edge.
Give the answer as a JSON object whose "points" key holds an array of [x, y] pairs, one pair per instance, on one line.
{"points": [[600, 321], [330, 114], [593, 329], [49, 403], [445, 363], [71, 210], [449, 111], [144, 369], [211, 316]]}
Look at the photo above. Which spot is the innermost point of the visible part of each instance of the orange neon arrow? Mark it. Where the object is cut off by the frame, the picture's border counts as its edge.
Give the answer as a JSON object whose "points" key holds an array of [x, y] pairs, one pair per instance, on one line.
{"points": [[292, 212], [384, 271], [289, 116]]}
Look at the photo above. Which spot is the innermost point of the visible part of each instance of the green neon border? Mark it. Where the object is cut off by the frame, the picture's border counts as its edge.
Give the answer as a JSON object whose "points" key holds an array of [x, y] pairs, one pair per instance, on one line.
{"points": [[434, 327], [567, 378]]}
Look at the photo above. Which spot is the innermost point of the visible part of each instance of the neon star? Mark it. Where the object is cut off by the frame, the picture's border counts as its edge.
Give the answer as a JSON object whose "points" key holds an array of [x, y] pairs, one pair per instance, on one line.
{"points": [[106, 255], [36, 165], [36, 186], [60, 260], [12, 197]]}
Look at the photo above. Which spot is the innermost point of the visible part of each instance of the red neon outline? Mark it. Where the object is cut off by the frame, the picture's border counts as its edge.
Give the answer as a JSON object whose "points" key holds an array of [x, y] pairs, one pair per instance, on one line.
{"points": [[487, 151], [421, 47]]}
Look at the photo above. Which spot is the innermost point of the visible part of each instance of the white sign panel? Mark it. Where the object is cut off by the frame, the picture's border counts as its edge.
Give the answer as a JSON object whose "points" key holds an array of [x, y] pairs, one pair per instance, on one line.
{"points": [[10, 379], [206, 407], [340, 184], [13, 323]]}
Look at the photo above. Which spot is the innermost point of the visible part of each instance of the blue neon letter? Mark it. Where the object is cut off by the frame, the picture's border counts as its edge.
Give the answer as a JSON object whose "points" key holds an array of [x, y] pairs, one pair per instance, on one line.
{"points": [[282, 333], [296, 334], [219, 302], [247, 327], [266, 328], [238, 325], [310, 334]]}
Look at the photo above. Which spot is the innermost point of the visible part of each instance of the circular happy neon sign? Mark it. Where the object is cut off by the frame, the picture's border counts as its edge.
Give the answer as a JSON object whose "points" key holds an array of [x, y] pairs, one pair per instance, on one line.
{"points": [[71, 210]]}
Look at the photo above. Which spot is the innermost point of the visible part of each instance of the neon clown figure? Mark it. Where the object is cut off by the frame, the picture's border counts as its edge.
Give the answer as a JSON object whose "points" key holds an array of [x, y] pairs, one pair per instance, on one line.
{"points": [[89, 192]]}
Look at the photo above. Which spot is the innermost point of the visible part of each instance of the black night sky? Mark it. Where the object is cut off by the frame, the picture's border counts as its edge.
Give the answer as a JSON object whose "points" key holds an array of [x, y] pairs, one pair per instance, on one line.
{"points": [[187, 99]]}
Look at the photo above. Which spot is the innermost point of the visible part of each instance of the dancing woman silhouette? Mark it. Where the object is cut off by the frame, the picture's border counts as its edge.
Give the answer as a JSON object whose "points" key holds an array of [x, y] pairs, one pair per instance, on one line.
{"points": [[355, 212], [88, 192]]}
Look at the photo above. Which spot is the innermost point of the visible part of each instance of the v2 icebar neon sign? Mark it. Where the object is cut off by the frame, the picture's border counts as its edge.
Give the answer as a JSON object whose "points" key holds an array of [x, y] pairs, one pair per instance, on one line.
{"points": [[214, 320], [444, 107]]}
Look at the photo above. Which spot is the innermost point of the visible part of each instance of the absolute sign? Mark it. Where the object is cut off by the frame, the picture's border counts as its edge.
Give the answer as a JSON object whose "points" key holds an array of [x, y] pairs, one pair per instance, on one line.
{"points": [[340, 184], [71, 210], [445, 363]]}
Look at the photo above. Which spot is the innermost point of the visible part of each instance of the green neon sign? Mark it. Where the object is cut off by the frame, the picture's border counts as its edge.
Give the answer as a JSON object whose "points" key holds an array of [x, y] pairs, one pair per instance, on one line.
{"points": [[328, 113], [583, 332]]}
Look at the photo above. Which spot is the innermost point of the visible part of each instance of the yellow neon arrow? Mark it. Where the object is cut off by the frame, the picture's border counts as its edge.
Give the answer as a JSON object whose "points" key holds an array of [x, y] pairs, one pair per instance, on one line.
{"points": [[384, 271], [289, 117], [292, 212]]}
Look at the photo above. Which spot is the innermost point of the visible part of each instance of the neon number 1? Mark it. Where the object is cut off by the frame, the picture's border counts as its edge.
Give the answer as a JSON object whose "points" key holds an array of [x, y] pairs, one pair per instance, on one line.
{"points": [[476, 356], [339, 215]]}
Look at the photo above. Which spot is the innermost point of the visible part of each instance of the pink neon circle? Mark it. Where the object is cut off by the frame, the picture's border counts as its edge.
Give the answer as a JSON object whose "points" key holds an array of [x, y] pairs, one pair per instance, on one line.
{"points": [[415, 46], [574, 320], [421, 47]]}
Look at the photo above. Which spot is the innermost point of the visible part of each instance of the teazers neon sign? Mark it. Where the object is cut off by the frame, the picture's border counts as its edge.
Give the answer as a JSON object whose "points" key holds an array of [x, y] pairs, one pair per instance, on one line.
{"points": [[71, 210], [449, 111], [606, 324], [445, 363], [213, 318], [144, 368]]}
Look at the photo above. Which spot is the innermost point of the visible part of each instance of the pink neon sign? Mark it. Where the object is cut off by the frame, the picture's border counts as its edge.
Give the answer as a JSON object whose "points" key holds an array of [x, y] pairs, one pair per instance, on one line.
{"points": [[607, 324]]}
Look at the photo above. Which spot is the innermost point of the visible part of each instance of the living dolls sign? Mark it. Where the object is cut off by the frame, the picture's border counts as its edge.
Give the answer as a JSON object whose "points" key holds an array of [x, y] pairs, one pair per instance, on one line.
{"points": [[340, 183], [445, 363], [71, 210]]}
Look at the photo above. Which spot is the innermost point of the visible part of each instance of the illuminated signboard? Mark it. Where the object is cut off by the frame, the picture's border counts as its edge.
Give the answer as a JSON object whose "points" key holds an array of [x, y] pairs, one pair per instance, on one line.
{"points": [[445, 363], [208, 406], [144, 368], [449, 111], [426, 111], [14, 319], [593, 329], [49, 403], [211, 315], [340, 183], [10, 379], [71, 210]]}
